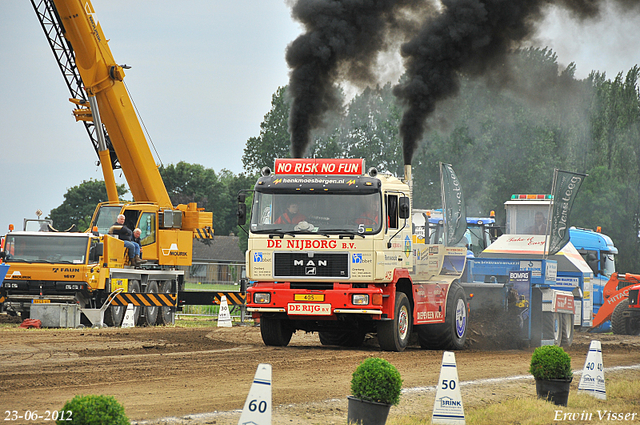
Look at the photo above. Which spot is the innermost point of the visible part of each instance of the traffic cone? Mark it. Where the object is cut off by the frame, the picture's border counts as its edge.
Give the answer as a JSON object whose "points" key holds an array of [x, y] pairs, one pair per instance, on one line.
{"points": [[128, 321], [447, 408], [224, 316], [592, 380]]}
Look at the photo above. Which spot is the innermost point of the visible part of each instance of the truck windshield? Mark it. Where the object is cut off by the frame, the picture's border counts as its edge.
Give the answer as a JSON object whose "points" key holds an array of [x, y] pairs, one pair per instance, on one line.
{"points": [[317, 213], [107, 215], [46, 248]]}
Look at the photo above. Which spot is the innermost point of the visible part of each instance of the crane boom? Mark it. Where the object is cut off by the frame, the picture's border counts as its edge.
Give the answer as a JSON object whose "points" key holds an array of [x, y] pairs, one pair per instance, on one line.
{"points": [[65, 57], [103, 78]]}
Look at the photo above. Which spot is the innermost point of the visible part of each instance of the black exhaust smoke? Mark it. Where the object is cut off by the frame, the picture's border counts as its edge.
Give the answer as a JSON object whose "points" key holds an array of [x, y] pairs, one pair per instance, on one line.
{"points": [[341, 41], [469, 36], [343, 37]]}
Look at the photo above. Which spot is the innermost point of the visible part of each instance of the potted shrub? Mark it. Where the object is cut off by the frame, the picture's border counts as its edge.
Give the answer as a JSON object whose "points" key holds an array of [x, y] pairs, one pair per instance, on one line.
{"points": [[92, 410], [375, 387], [551, 368]]}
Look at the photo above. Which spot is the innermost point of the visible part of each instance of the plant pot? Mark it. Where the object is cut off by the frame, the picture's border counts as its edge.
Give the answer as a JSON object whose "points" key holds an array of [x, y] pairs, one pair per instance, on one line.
{"points": [[363, 412], [554, 390]]}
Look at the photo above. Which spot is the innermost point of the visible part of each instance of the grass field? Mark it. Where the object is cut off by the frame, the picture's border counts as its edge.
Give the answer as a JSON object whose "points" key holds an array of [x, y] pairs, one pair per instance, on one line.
{"points": [[622, 406]]}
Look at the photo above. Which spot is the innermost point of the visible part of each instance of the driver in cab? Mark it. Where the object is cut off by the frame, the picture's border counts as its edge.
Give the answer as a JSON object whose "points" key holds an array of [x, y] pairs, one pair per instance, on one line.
{"points": [[291, 215]]}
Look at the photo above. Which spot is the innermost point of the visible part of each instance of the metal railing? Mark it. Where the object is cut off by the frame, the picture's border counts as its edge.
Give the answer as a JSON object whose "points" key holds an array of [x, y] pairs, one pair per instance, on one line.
{"points": [[214, 277]]}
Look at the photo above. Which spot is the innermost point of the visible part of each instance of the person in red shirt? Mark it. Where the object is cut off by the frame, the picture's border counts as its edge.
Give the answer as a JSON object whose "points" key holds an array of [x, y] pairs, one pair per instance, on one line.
{"points": [[370, 213], [291, 215]]}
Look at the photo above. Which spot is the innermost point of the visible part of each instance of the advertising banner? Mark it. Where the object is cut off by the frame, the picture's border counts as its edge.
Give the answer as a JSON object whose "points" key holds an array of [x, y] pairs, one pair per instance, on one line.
{"points": [[455, 211], [565, 188]]}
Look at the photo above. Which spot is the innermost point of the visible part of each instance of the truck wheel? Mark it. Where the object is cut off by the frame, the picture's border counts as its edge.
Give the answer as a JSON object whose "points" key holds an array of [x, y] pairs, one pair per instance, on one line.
{"points": [[151, 313], [621, 325], [134, 287], [275, 332], [114, 314], [557, 329], [452, 334], [165, 315], [567, 330], [342, 338], [393, 335]]}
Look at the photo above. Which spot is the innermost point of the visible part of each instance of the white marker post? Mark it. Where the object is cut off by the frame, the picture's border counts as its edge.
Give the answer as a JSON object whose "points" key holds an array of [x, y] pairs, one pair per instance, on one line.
{"points": [[257, 408], [447, 408], [224, 316], [128, 321], [592, 380]]}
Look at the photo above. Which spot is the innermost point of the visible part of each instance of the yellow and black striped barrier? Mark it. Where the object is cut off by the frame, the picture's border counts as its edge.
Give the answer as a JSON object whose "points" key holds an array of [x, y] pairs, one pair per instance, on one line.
{"points": [[145, 299], [203, 233], [210, 298]]}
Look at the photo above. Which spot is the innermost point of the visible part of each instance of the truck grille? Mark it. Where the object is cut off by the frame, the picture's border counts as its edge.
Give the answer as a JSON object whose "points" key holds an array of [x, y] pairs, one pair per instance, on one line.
{"points": [[300, 264]]}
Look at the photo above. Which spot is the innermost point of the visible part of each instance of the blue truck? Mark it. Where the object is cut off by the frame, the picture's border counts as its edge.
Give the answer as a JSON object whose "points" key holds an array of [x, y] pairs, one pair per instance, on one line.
{"points": [[596, 249]]}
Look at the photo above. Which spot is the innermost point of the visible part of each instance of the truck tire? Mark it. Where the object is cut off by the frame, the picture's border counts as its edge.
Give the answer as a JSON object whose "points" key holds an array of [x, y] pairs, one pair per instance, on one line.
{"points": [[567, 330], [342, 338], [114, 314], [393, 335], [134, 287], [275, 331], [452, 334], [552, 327], [557, 329], [151, 312], [165, 315], [621, 325]]}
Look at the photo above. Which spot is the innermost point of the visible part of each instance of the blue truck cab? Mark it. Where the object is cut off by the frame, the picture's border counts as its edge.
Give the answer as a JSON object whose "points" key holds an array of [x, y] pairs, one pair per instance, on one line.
{"points": [[599, 253]]}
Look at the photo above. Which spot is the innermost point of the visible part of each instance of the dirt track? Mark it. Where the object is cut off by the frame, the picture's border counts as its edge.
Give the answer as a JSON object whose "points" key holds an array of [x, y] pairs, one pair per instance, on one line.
{"points": [[173, 372]]}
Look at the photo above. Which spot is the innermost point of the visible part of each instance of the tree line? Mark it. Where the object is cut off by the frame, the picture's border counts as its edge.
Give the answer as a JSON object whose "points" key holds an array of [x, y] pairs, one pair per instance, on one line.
{"points": [[503, 134]]}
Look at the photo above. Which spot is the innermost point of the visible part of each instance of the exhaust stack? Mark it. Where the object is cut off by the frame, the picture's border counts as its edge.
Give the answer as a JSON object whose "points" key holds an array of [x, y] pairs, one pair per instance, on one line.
{"points": [[407, 176]]}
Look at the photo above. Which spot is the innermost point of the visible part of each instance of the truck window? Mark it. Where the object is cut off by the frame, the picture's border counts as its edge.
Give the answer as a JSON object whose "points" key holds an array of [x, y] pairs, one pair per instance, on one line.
{"points": [[335, 213], [147, 225], [107, 215], [608, 264], [47, 248], [392, 211]]}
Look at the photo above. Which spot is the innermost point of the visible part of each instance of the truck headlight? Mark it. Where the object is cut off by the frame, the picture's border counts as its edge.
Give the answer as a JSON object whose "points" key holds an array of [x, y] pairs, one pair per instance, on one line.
{"points": [[262, 298], [360, 299]]}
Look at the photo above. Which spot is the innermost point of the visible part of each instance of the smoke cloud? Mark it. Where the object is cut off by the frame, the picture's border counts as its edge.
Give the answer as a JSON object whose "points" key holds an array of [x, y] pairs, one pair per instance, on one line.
{"points": [[341, 41], [343, 38]]}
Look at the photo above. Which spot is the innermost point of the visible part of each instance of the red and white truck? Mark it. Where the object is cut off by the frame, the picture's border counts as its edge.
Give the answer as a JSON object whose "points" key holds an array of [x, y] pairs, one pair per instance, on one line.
{"points": [[331, 250]]}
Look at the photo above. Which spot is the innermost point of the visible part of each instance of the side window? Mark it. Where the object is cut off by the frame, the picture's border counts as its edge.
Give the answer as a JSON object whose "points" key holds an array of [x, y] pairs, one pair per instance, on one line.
{"points": [[93, 258], [147, 227], [392, 210]]}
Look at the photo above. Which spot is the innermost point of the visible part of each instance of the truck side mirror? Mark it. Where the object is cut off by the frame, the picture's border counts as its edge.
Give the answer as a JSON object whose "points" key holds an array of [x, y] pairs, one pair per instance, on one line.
{"points": [[96, 251], [242, 213], [404, 207]]}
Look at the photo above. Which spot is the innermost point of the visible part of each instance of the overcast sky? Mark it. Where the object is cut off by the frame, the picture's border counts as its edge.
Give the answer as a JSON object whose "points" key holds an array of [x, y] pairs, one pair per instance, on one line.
{"points": [[203, 73]]}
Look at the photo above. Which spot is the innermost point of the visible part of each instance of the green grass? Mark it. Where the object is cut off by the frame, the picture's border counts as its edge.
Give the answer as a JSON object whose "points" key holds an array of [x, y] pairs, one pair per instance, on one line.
{"points": [[622, 397], [199, 286]]}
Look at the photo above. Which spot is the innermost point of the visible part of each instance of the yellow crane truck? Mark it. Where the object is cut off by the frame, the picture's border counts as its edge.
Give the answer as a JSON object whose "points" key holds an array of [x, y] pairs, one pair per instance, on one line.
{"points": [[344, 260], [68, 274]]}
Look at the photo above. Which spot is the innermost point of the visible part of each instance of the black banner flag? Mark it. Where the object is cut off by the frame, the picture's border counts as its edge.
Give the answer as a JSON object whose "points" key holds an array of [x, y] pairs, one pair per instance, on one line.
{"points": [[565, 188], [454, 209]]}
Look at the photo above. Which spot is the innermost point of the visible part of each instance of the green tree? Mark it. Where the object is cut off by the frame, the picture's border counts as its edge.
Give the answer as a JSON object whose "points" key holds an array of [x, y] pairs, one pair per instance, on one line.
{"points": [[274, 139], [79, 204], [233, 184], [188, 183]]}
